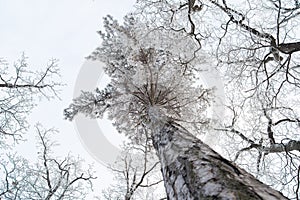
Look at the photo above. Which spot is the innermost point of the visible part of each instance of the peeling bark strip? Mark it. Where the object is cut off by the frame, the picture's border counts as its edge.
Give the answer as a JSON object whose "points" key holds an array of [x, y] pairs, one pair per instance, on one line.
{"points": [[192, 170]]}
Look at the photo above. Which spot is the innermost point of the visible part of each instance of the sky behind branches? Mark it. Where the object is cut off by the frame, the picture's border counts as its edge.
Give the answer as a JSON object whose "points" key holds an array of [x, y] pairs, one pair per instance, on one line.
{"points": [[63, 30]]}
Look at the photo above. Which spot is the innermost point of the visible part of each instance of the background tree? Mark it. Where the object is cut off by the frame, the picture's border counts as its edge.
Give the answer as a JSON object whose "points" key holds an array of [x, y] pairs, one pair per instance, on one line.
{"points": [[49, 178], [154, 93], [20, 88], [136, 175]]}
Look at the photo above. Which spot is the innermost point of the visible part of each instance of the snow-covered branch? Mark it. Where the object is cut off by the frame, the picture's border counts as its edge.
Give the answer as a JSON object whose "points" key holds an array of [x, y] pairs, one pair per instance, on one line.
{"points": [[19, 89]]}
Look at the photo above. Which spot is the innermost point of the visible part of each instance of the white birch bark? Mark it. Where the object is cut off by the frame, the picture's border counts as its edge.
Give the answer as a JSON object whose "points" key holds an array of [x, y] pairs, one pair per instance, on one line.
{"points": [[192, 170]]}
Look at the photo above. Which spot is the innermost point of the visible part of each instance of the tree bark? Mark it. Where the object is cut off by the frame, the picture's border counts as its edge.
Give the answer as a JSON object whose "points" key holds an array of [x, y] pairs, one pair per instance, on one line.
{"points": [[192, 170], [289, 48]]}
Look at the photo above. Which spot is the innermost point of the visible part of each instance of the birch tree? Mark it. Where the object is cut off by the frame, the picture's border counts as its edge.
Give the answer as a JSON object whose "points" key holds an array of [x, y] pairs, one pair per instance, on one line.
{"points": [[257, 50], [155, 92]]}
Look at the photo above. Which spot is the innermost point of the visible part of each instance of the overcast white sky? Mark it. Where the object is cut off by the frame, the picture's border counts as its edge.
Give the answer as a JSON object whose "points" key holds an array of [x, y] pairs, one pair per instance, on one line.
{"points": [[61, 29]]}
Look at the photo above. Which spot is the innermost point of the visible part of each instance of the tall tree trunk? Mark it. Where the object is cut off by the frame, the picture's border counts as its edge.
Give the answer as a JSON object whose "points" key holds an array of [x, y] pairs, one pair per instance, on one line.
{"points": [[192, 170]]}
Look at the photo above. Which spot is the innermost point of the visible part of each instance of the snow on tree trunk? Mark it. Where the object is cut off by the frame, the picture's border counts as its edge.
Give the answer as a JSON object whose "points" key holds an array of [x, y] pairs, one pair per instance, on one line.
{"points": [[192, 170]]}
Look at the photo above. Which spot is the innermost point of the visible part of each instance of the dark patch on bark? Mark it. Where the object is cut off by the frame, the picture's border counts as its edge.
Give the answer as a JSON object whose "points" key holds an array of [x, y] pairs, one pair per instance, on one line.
{"points": [[227, 162]]}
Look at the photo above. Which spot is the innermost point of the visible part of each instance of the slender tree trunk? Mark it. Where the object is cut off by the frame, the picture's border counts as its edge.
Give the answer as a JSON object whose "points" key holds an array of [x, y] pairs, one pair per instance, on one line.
{"points": [[192, 170]]}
